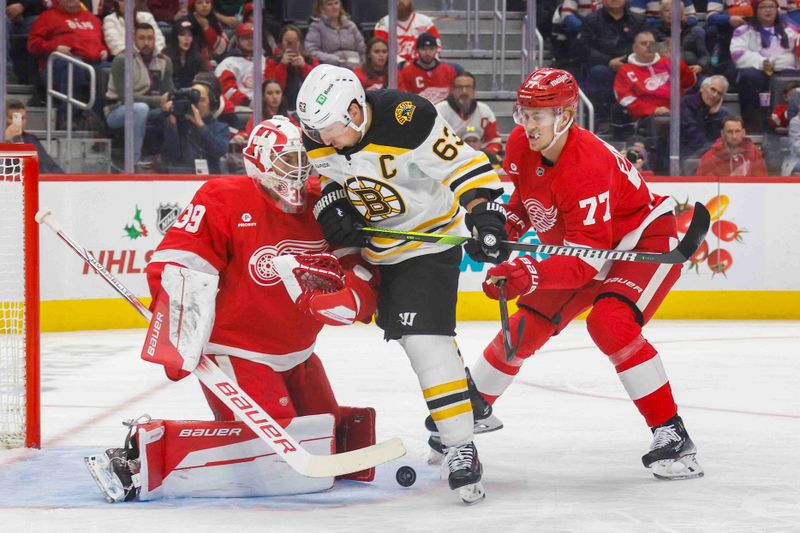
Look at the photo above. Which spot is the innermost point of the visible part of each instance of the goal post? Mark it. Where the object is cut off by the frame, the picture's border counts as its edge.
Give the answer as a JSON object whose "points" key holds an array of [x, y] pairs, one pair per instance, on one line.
{"points": [[19, 297]]}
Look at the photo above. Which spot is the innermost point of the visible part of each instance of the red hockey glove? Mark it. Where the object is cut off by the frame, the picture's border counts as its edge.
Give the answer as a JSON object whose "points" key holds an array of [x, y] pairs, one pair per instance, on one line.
{"points": [[520, 275], [515, 226], [331, 294]]}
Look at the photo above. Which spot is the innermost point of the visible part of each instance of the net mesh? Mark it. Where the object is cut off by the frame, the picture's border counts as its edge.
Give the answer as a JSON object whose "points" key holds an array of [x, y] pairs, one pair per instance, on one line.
{"points": [[12, 304]]}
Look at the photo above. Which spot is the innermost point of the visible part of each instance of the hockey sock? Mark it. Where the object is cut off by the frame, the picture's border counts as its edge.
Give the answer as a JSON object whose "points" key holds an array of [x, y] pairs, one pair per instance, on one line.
{"points": [[491, 373], [440, 371], [614, 329]]}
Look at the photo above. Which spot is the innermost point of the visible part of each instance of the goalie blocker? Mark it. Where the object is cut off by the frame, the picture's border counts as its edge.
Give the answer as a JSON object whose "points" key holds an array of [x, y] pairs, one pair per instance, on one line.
{"points": [[185, 458]]}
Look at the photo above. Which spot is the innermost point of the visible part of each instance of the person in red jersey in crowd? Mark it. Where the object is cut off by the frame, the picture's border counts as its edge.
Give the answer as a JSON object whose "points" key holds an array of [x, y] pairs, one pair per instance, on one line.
{"points": [[262, 336], [373, 74], [574, 189], [410, 25], [427, 76]]}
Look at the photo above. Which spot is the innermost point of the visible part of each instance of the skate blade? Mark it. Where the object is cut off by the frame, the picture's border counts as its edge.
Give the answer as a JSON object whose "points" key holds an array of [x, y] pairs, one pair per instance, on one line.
{"points": [[472, 494], [686, 467], [487, 425], [100, 469]]}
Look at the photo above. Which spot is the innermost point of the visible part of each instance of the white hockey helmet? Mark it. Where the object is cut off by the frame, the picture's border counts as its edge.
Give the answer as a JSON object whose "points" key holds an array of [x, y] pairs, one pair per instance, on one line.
{"points": [[276, 159], [324, 99]]}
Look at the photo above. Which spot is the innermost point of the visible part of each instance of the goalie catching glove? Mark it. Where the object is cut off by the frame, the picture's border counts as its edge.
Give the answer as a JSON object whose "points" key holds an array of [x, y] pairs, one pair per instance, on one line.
{"points": [[325, 290], [487, 223]]}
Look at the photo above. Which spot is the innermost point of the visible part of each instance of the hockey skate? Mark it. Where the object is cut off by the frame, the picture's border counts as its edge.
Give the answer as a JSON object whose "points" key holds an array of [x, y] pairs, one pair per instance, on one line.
{"points": [[115, 474], [672, 453], [465, 473], [485, 422]]}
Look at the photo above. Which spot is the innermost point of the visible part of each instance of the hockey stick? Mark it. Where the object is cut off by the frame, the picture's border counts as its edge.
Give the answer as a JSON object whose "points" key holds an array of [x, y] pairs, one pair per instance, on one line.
{"points": [[685, 249], [247, 410], [504, 325]]}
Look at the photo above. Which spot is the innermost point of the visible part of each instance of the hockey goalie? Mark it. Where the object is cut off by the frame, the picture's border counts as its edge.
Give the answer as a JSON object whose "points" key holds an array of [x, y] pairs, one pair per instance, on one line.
{"points": [[219, 289]]}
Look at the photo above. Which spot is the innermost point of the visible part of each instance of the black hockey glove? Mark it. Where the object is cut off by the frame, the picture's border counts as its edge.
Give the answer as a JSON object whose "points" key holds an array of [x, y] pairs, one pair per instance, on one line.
{"points": [[339, 220], [487, 222]]}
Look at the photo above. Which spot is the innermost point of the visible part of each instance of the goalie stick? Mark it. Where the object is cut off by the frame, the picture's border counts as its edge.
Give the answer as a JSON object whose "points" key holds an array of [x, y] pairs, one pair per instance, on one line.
{"points": [[256, 418], [685, 249]]}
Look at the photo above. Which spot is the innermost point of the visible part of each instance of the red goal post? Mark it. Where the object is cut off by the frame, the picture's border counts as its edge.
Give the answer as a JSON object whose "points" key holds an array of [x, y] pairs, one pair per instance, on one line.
{"points": [[19, 297]]}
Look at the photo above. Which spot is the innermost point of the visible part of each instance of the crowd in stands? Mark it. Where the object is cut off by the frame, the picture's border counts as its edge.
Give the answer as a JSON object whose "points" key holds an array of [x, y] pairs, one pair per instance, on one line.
{"points": [[194, 80]]}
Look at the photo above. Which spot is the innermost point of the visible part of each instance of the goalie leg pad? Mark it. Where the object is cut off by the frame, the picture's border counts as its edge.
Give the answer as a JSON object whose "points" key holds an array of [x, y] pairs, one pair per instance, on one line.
{"points": [[310, 389], [184, 458], [356, 430], [614, 328], [183, 314], [440, 370]]}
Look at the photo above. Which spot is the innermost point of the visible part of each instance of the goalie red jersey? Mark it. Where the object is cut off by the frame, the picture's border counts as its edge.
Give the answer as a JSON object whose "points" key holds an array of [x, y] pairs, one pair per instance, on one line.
{"points": [[591, 197], [234, 229]]}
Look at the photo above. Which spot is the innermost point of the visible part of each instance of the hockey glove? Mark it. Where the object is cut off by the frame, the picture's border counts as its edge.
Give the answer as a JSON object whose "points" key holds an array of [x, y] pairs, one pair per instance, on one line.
{"points": [[515, 226], [339, 220], [487, 223], [520, 275]]}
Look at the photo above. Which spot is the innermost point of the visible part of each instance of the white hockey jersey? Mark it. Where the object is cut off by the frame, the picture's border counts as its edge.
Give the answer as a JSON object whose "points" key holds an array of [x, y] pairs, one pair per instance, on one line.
{"points": [[479, 121], [407, 173]]}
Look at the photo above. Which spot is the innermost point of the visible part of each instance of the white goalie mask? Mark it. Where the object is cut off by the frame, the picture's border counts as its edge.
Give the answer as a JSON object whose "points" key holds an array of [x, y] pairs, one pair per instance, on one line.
{"points": [[276, 159], [324, 100]]}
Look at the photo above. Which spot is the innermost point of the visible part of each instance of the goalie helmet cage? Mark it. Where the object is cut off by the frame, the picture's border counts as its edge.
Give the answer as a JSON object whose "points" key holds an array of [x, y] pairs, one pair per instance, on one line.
{"points": [[19, 297]]}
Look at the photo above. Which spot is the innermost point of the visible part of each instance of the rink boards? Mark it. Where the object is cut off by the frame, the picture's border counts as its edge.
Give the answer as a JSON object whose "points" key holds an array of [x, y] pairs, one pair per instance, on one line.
{"points": [[754, 247]]}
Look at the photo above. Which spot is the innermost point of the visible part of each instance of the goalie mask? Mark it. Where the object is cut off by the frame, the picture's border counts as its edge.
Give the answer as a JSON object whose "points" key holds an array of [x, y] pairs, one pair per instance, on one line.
{"points": [[276, 159]]}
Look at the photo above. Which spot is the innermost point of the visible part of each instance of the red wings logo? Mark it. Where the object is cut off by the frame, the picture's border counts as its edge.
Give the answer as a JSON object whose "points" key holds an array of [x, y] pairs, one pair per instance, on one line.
{"points": [[260, 264], [542, 218]]}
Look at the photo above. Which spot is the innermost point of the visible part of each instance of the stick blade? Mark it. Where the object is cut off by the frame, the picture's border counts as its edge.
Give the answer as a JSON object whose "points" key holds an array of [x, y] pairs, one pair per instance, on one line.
{"points": [[353, 461], [696, 233]]}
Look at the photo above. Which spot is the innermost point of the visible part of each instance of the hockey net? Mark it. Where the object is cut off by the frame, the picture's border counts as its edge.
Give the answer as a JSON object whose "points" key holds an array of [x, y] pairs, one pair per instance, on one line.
{"points": [[19, 297]]}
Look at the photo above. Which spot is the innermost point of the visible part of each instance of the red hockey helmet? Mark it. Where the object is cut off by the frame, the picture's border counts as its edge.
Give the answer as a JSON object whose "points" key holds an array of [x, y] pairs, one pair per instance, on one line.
{"points": [[548, 87]]}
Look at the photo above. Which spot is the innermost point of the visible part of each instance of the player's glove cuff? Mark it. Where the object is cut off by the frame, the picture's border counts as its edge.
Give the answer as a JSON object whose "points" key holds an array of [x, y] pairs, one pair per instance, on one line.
{"points": [[487, 223], [340, 222]]}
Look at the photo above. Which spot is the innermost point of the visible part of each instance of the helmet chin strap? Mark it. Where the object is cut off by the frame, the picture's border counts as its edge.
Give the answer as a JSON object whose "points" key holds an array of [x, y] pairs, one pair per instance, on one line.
{"points": [[556, 132], [362, 128]]}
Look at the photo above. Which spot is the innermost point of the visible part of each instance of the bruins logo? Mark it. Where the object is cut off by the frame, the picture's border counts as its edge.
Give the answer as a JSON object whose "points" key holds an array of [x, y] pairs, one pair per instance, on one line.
{"points": [[404, 112], [373, 199]]}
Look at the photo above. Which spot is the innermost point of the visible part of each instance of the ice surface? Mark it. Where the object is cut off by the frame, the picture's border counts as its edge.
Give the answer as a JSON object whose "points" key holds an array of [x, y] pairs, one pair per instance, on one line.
{"points": [[567, 460]]}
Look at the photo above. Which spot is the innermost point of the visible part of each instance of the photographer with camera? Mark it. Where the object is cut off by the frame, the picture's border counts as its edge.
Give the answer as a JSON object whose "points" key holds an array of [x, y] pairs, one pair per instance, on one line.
{"points": [[194, 140], [152, 82]]}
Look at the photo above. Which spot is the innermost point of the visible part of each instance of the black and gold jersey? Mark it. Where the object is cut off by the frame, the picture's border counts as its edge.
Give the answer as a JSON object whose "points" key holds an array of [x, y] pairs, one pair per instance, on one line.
{"points": [[407, 173]]}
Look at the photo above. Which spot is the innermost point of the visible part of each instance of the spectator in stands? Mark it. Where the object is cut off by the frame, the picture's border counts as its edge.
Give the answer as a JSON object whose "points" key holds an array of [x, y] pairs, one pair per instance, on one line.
{"points": [[636, 152], [184, 52], [791, 162], [606, 39], [194, 142], [693, 39], [567, 22], [373, 74], [152, 85], [166, 12], [468, 116], [410, 25], [229, 11], [235, 73], [21, 14], [733, 154], [702, 114], [333, 38], [291, 64], [274, 103], [652, 10], [760, 48], [207, 29], [426, 75], [785, 110], [67, 28], [642, 86], [16, 120], [114, 26]]}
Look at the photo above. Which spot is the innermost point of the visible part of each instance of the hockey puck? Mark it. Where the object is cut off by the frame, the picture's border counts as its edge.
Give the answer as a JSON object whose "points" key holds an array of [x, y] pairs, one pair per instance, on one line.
{"points": [[406, 476]]}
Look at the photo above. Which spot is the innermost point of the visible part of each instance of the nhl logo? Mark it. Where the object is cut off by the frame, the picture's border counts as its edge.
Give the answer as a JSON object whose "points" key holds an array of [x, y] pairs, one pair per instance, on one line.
{"points": [[167, 214], [540, 172]]}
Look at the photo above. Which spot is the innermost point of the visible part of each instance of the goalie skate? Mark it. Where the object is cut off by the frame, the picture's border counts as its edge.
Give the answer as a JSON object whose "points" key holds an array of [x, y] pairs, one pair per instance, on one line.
{"points": [[466, 471], [115, 475], [672, 454], [485, 422]]}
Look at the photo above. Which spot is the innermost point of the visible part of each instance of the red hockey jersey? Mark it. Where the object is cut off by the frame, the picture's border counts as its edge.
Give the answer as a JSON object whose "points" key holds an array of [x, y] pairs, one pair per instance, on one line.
{"points": [[232, 228], [433, 84], [591, 197], [641, 88], [407, 33]]}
